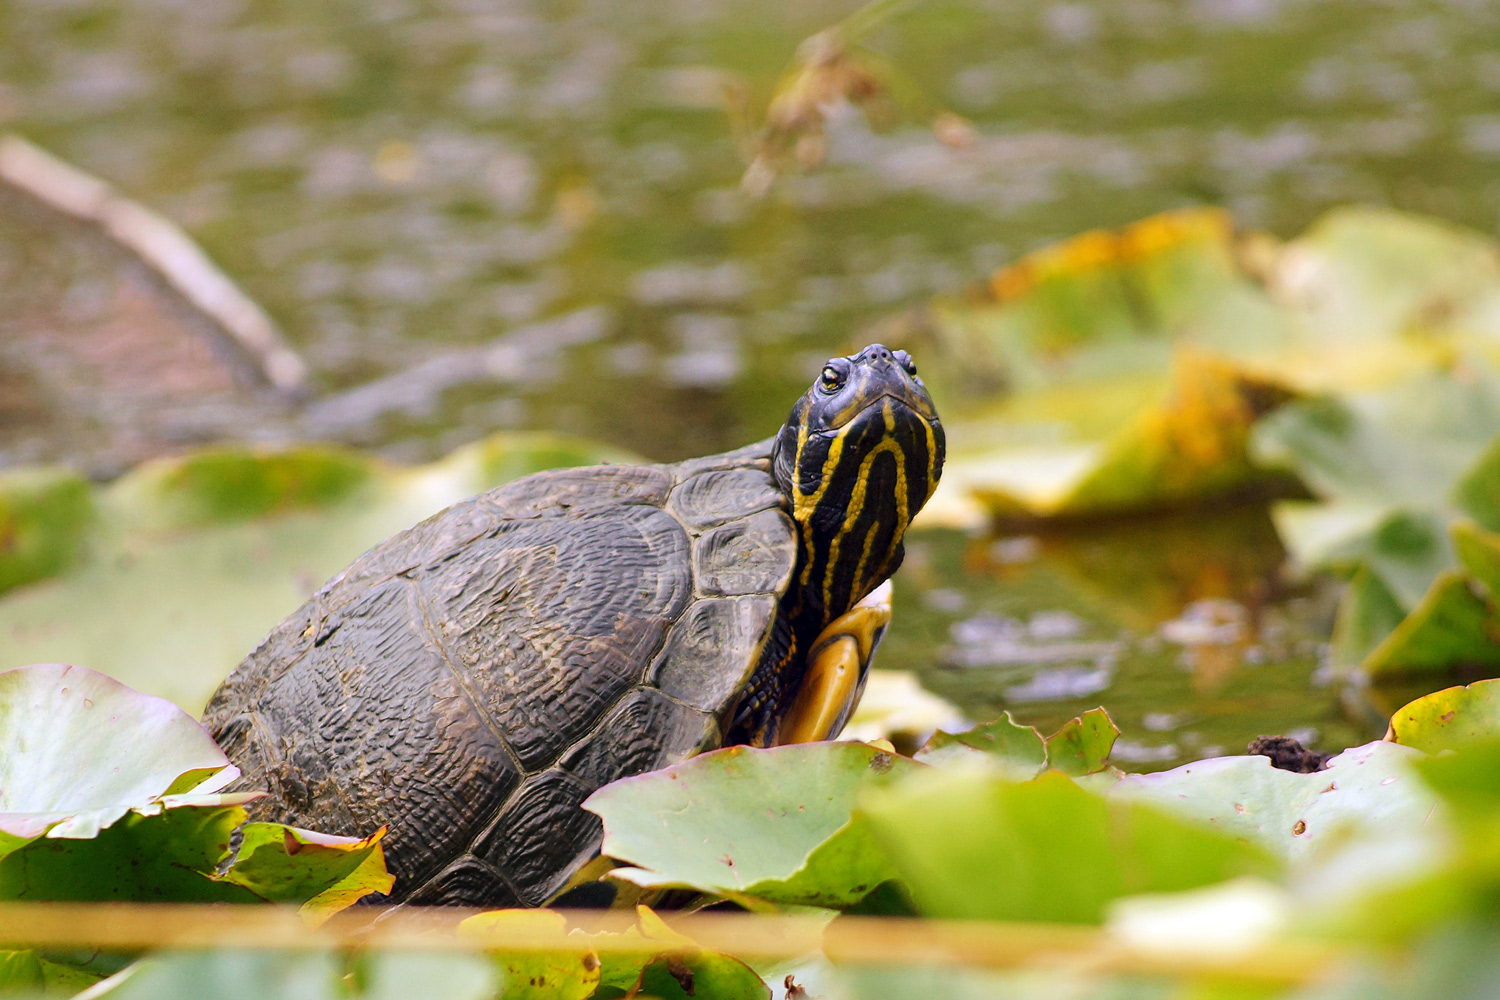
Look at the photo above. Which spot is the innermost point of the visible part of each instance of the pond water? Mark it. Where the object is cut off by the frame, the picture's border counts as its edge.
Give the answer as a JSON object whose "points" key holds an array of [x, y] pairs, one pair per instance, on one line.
{"points": [[557, 184]]}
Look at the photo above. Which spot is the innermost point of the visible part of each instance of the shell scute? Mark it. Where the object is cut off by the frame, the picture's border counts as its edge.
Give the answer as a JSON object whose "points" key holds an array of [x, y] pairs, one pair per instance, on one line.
{"points": [[560, 492], [711, 651], [550, 625], [750, 555], [716, 496], [647, 730], [542, 836], [465, 880]]}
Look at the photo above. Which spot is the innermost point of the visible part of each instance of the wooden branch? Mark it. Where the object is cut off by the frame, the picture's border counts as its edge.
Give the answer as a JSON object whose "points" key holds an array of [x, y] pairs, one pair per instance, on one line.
{"points": [[168, 252]]}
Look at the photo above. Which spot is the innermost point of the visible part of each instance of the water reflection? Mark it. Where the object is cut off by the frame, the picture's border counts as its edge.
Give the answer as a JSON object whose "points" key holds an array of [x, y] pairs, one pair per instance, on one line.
{"points": [[1182, 626]]}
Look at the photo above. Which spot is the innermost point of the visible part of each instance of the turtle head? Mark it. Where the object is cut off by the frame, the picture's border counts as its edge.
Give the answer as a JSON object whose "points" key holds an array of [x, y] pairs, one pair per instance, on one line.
{"points": [[860, 454]]}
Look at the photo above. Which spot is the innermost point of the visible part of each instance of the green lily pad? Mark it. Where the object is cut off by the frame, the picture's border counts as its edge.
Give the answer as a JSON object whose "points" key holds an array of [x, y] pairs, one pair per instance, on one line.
{"points": [[396, 975], [749, 824], [1362, 274], [1103, 303], [1369, 792], [229, 974], [1404, 473], [1469, 778], [1082, 746], [1451, 626], [109, 794], [1456, 623], [1137, 363], [227, 484], [1450, 718], [1122, 356], [45, 514], [78, 750], [1456, 879], [1367, 613], [24, 971], [688, 971], [1478, 552], [325, 873], [182, 579], [1006, 743], [20, 970], [650, 959], [971, 845], [167, 857]]}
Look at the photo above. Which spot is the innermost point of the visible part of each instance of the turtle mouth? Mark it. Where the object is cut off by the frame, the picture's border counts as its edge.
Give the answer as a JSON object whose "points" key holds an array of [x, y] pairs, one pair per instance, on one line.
{"points": [[904, 405]]}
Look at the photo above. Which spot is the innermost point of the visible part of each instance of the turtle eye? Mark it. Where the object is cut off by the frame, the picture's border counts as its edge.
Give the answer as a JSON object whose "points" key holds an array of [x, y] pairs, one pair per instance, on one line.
{"points": [[831, 378], [905, 361]]}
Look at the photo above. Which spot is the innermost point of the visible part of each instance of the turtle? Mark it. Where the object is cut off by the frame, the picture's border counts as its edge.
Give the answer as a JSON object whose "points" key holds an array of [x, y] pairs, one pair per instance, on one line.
{"points": [[469, 682]]}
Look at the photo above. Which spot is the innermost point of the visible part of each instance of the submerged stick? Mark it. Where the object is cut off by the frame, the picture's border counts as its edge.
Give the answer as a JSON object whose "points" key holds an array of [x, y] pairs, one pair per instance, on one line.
{"points": [[168, 252]]}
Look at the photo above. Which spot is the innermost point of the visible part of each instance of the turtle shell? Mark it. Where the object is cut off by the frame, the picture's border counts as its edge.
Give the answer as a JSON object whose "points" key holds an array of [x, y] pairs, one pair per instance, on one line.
{"points": [[470, 681]]}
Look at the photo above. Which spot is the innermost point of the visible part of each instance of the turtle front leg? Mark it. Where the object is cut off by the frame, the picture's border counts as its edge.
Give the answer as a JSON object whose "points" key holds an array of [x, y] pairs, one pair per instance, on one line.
{"points": [[837, 666]]}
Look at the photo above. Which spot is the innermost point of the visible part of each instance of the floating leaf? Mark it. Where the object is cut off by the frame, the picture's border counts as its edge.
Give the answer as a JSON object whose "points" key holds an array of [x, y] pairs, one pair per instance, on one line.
{"points": [[1451, 626], [20, 970], [1478, 552], [109, 794], [650, 959], [773, 824], [690, 971], [79, 749], [1450, 718], [171, 612], [1361, 275], [1468, 778], [972, 845], [1018, 749], [227, 484], [537, 975], [394, 975], [1367, 614], [1106, 302], [228, 974], [1189, 443], [323, 872], [1369, 792], [1402, 472], [1456, 877], [167, 857], [45, 514], [1082, 746], [1080, 336], [1193, 445], [1477, 491]]}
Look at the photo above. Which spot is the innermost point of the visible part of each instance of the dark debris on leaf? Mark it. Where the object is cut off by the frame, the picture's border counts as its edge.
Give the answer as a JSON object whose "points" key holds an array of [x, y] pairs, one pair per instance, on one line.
{"points": [[1288, 754]]}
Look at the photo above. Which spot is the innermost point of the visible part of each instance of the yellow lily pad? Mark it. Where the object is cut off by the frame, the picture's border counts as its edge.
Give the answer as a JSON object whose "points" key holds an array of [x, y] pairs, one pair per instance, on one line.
{"points": [[536, 975], [1450, 718], [1191, 443], [1134, 362]]}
